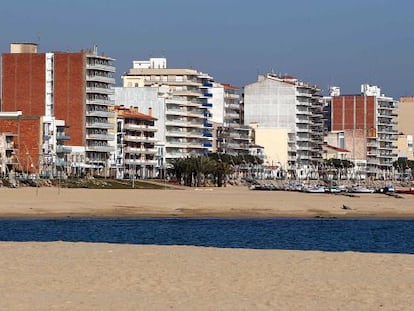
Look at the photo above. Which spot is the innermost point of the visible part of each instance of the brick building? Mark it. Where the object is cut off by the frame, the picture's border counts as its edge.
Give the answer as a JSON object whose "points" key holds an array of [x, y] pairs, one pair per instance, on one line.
{"points": [[66, 98], [368, 121]]}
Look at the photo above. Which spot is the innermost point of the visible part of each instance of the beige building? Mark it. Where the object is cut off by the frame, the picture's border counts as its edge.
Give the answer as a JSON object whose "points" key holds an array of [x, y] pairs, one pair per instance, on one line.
{"points": [[405, 146], [406, 127]]}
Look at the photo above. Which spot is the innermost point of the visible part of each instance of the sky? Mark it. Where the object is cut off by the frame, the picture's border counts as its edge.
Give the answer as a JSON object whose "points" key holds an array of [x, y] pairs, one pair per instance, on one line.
{"points": [[324, 42]]}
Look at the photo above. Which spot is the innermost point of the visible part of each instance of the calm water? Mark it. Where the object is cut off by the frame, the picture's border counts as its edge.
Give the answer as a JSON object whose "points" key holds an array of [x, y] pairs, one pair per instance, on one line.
{"points": [[363, 235]]}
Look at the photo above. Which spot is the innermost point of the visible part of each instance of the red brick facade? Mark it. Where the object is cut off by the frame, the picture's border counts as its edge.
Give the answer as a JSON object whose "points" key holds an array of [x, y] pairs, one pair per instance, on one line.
{"points": [[69, 94], [23, 83], [353, 112], [28, 143]]}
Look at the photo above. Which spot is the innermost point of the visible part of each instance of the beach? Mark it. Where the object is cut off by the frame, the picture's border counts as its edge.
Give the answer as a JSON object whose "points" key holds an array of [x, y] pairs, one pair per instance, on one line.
{"points": [[101, 276], [86, 276], [233, 202]]}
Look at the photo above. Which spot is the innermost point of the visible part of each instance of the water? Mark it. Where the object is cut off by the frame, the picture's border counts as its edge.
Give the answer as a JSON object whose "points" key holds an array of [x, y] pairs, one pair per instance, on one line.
{"points": [[362, 235]]}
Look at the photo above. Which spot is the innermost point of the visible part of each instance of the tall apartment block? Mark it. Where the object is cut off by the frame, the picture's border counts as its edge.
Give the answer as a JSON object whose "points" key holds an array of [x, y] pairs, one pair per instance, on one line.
{"points": [[288, 122], [232, 137], [368, 121], [187, 99], [67, 94]]}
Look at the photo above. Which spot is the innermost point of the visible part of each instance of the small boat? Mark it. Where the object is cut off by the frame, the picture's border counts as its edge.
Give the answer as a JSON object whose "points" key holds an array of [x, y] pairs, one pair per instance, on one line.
{"points": [[405, 191], [361, 189], [315, 189]]}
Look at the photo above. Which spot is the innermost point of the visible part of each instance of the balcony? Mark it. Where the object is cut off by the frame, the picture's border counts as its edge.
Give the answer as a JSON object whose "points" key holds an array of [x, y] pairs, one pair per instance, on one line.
{"points": [[99, 78], [99, 66], [100, 90], [141, 162], [100, 125], [96, 148], [206, 95], [63, 149], [208, 105], [135, 150], [139, 127], [100, 113], [101, 102], [107, 137], [141, 139], [208, 125]]}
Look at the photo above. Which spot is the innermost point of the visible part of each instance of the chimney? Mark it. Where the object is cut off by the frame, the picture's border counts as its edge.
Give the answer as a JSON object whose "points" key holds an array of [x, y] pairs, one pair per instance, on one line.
{"points": [[150, 111]]}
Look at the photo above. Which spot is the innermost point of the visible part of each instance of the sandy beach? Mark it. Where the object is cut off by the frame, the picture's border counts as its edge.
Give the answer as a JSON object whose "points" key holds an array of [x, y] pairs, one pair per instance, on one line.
{"points": [[88, 276], [82, 276], [196, 202]]}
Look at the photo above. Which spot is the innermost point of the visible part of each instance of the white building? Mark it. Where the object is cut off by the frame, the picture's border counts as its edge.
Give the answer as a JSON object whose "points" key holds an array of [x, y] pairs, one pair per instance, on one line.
{"points": [[293, 110], [187, 103]]}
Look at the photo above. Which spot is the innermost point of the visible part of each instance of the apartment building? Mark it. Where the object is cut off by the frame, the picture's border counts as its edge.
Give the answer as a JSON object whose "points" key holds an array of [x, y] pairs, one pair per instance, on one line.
{"points": [[369, 123], [68, 94], [291, 112], [187, 98], [230, 135], [135, 155]]}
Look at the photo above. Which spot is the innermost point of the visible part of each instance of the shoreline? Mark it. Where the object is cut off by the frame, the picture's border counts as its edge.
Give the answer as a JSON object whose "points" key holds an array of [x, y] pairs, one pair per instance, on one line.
{"points": [[225, 203]]}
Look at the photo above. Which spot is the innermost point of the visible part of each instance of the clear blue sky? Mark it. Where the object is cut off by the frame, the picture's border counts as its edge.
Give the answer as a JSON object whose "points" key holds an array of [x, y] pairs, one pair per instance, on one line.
{"points": [[326, 42]]}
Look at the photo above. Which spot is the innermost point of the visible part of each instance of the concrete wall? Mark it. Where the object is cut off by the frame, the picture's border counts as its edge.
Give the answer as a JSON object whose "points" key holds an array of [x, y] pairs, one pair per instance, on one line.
{"points": [[270, 103], [275, 143], [143, 98]]}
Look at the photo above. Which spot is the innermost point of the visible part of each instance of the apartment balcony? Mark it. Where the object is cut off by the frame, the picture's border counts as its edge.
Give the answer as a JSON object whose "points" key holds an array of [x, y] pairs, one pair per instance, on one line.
{"points": [[303, 130], [101, 102], [139, 127], [98, 66], [99, 78], [232, 106], [303, 121], [208, 105], [135, 150], [9, 146], [190, 134], [208, 125], [232, 116], [96, 148], [176, 144], [207, 145], [106, 137], [300, 103], [207, 84], [372, 144], [303, 112], [231, 96], [100, 125], [206, 95], [63, 149], [100, 113], [187, 93], [303, 139], [141, 162], [207, 115], [100, 90], [140, 139]]}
